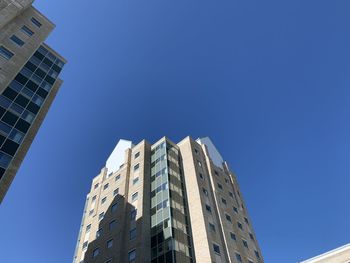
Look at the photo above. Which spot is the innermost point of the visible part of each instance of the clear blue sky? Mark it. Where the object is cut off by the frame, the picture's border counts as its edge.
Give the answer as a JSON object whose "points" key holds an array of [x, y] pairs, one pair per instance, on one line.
{"points": [[268, 81]]}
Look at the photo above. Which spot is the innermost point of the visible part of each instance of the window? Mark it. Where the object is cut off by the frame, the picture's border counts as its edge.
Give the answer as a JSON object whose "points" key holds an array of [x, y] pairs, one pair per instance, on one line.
{"points": [[205, 191], [35, 22], [109, 261], [235, 209], [137, 155], [231, 194], [220, 186], [27, 31], [91, 212], [216, 249], [110, 243], [85, 245], [195, 150], [112, 225], [96, 185], [212, 227], [226, 180], [216, 173], [208, 208], [17, 40], [223, 200], [96, 252], [4, 160], [133, 214], [233, 236], [134, 196], [201, 176], [117, 177], [246, 220], [132, 256], [114, 207], [88, 227], [136, 167], [135, 180], [105, 186], [94, 198], [239, 225], [238, 257], [251, 236], [132, 233], [101, 216], [103, 200], [245, 243], [257, 254], [116, 191], [98, 233], [228, 218], [5, 53]]}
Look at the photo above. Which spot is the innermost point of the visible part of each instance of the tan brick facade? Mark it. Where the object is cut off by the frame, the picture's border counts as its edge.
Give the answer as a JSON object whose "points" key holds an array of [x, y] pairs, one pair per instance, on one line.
{"points": [[204, 186]]}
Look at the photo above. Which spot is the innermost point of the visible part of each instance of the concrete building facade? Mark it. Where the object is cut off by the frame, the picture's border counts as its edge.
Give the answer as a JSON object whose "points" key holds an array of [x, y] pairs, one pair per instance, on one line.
{"points": [[338, 255], [29, 82], [166, 202]]}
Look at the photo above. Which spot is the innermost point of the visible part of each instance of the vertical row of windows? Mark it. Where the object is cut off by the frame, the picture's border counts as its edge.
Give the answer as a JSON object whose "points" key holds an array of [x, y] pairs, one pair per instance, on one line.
{"points": [[216, 247], [5, 52], [21, 101]]}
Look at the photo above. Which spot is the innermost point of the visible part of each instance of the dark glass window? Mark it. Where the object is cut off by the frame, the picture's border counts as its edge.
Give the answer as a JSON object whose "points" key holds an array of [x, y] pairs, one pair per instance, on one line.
{"points": [[233, 236], [21, 79], [2, 139], [29, 65], [48, 62], [40, 73], [16, 136], [50, 79], [43, 93], [27, 31], [5, 53], [16, 86], [9, 118], [216, 248], [33, 107], [2, 111], [2, 171], [32, 85], [17, 40], [21, 100], [4, 102], [5, 160], [10, 147], [22, 125], [10, 93], [4, 128], [35, 22]]}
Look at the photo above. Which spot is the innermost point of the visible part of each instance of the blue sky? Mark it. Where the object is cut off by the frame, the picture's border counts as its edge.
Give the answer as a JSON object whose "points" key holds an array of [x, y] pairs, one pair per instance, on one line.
{"points": [[268, 81]]}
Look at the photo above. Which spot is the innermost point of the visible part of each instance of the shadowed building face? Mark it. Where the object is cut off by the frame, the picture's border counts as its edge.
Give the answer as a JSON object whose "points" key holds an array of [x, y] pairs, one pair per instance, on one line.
{"points": [[166, 202], [29, 82]]}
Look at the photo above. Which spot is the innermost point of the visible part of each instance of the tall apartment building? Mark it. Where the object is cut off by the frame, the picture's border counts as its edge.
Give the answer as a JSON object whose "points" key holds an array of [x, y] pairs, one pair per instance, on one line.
{"points": [[338, 255], [166, 202], [29, 82]]}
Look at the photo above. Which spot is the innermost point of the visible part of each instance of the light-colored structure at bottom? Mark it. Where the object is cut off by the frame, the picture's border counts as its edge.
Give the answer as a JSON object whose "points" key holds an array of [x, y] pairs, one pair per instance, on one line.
{"points": [[166, 202], [338, 255]]}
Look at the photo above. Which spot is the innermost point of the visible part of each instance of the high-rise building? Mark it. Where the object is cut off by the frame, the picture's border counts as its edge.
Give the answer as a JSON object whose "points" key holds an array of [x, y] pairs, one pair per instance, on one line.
{"points": [[29, 82], [338, 255], [166, 202]]}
